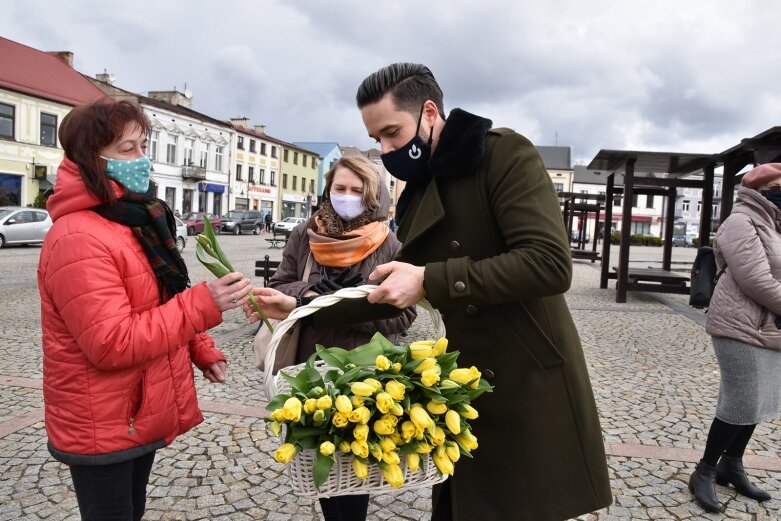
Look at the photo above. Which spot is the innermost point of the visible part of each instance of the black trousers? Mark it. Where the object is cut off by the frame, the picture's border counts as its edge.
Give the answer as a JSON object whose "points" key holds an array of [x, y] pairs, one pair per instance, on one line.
{"points": [[114, 492], [345, 508]]}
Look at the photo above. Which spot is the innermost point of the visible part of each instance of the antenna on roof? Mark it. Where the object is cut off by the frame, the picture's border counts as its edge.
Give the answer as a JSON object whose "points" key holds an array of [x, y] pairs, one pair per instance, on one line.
{"points": [[187, 93]]}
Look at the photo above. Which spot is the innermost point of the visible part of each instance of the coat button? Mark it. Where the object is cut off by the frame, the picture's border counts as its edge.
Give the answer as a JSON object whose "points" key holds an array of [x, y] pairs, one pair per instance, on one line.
{"points": [[459, 286], [488, 374], [454, 246], [471, 310]]}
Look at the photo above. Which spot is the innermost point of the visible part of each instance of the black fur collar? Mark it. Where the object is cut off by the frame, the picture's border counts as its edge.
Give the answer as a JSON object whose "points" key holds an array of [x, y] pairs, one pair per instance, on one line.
{"points": [[461, 144]]}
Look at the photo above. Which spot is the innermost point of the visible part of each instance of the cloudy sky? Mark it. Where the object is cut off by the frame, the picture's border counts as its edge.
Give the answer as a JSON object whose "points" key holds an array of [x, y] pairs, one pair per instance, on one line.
{"points": [[693, 76]]}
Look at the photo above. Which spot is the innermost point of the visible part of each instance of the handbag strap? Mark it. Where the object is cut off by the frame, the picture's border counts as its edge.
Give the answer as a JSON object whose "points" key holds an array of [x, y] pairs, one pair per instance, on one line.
{"points": [[308, 268]]}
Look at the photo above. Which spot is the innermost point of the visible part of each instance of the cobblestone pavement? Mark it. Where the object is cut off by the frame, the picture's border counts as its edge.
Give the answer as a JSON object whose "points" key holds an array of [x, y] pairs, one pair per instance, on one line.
{"points": [[654, 376]]}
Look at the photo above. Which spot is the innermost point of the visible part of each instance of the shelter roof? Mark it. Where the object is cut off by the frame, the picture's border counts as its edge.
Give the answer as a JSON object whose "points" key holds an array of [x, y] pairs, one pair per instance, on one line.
{"points": [[676, 164]]}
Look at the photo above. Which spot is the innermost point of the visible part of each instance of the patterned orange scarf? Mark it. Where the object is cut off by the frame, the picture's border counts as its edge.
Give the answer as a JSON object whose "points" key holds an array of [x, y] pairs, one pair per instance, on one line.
{"points": [[349, 249]]}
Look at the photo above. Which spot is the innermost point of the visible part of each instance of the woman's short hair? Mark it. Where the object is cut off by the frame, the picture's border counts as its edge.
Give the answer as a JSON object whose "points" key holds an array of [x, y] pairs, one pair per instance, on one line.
{"points": [[87, 129], [366, 171]]}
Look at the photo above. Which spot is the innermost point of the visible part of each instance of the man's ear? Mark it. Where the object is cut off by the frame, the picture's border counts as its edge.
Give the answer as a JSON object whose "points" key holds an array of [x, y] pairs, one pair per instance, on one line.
{"points": [[430, 112]]}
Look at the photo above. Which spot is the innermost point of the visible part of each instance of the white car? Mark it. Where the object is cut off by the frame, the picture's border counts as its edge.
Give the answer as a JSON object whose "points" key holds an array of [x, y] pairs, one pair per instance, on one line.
{"points": [[20, 225], [181, 234], [286, 225]]}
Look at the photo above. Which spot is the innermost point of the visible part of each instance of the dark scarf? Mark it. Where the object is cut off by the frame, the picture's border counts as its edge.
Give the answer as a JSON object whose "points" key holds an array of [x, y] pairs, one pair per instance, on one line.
{"points": [[154, 226], [459, 151], [335, 226]]}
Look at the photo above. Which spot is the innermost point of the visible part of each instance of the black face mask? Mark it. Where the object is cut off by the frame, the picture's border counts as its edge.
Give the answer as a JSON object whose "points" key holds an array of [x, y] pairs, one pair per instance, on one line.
{"points": [[774, 197], [410, 162]]}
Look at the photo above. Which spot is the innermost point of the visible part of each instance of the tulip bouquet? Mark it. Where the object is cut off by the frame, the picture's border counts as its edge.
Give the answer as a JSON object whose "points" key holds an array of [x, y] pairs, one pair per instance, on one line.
{"points": [[206, 245], [379, 404]]}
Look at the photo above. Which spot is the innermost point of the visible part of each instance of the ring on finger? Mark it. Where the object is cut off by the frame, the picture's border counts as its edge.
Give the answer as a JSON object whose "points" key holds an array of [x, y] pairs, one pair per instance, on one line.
{"points": [[233, 298]]}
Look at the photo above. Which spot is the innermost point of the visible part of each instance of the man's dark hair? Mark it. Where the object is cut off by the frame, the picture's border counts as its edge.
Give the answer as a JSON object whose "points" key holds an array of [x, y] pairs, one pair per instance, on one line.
{"points": [[410, 85]]}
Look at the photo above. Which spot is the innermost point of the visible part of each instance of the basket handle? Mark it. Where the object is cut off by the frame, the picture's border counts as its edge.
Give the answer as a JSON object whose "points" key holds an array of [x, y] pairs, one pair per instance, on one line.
{"points": [[322, 302]]}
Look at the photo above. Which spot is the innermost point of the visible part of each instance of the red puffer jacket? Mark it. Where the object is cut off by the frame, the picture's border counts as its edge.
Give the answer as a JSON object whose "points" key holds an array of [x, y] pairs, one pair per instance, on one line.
{"points": [[117, 365]]}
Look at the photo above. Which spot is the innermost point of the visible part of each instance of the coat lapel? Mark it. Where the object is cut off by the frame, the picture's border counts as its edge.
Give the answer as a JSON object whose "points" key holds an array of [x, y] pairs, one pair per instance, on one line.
{"points": [[428, 212]]}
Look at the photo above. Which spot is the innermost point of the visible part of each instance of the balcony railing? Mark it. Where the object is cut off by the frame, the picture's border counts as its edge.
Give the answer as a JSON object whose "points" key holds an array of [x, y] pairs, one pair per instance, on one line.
{"points": [[193, 172]]}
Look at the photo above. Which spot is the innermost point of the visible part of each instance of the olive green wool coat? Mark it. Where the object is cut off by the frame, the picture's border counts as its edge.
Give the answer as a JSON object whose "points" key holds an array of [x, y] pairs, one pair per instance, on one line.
{"points": [[488, 229]]}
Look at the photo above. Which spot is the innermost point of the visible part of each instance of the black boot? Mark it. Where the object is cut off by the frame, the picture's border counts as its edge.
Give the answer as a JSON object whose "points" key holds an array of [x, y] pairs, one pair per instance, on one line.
{"points": [[730, 471], [702, 485]]}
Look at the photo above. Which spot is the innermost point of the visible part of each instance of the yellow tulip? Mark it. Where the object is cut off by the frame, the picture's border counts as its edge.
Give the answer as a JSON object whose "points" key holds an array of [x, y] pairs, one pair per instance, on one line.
{"points": [[469, 412], [420, 417], [318, 417], [429, 378], [391, 457], [396, 438], [361, 432], [387, 444], [310, 405], [407, 430], [397, 410], [275, 427], [382, 363], [451, 449], [436, 408], [360, 415], [384, 402], [449, 384], [360, 468], [453, 421], [343, 404], [427, 364], [344, 447], [437, 435], [383, 427], [440, 347], [375, 451], [467, 440], [327, 448], [423, 448], [362, 389], [285, 453], [357, 401], [324, 402], [315, 392], [395, 389], [393, 475], [392, 418], [413, 461], [360, 449], [421, 349], [396, 368], [278, 415], [340, 420], [464, 376], [374, 383], [443, 463], [292, 409]]}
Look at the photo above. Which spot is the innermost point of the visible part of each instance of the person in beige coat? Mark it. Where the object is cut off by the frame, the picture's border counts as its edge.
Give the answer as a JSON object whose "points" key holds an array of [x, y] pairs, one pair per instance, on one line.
{"points": [[347, 238], [744, 321]]}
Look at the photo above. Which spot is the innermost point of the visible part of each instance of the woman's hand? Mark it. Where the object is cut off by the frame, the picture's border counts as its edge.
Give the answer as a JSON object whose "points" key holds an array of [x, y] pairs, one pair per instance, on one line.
{"points": [[274, 304], [215, 373], [230, 291]]}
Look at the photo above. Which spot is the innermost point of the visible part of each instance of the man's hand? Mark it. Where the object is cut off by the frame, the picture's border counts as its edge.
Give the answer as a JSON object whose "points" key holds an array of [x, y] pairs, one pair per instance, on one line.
{"points": [[274, 304], [403, 286], [215, 373]]}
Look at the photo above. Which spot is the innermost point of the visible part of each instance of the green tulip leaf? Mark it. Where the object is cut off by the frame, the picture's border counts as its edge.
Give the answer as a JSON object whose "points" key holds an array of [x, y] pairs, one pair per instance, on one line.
{"points": [[277, 402], [322, 468]]}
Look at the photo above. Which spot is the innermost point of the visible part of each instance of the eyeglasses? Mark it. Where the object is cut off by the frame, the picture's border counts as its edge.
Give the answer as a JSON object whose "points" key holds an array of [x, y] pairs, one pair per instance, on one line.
{"points": [[771, 189]]}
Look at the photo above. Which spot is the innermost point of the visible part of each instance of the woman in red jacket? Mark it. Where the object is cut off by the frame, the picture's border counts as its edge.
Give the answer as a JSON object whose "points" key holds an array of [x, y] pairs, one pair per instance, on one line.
{"points": [[121, 326]]}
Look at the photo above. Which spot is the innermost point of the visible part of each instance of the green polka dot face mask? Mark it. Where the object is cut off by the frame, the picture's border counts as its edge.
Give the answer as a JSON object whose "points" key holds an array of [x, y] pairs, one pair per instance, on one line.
{"points": [[133, 174]]}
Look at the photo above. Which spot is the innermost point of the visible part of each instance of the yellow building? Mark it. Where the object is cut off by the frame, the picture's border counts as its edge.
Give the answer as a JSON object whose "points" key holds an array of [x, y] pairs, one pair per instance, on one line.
{"points": [[298, 186]]}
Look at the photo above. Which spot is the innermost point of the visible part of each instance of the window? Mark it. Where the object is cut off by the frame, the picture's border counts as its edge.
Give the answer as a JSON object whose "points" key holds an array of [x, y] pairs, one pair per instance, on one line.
{"points": [[617, 200], [273, 151], [240, 142], [699, 206], [311, 186], [715, 214], [252, 145], [295, 182], [262, 149], [204, 162], [154, 139], [189, 144], [170, 152], [649, 201], [238, 173], [48, 130], [218, 159], [187, 200], [262, 176], [272, 181], [634, 201], [7, 113], [639, 228], [314, 163], [559, 187], [284, 179], [303, 161], [251, 174], [170, 198], [685, 206], [295, 158], [285, 157]]}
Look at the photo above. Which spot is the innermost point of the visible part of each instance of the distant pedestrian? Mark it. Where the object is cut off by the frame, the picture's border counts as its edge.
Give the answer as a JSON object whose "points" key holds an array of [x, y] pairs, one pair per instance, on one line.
{"points": [[744, 321], [121, 326], [267, 220], [177, 214], [392, 224]]}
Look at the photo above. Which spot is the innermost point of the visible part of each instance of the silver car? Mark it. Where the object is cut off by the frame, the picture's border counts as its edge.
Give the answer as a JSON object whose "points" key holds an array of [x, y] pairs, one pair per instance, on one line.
{"points": [[181, 234], [20, 225]]}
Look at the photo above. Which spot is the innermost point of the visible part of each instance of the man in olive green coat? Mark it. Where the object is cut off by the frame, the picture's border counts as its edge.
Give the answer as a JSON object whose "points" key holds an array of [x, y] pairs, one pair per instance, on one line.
{"points": [[483, 241]]}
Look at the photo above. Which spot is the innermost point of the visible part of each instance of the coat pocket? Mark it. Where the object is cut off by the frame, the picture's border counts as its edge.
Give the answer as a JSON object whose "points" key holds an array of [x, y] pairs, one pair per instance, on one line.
{"points": [[138, 402], [532, 337]]}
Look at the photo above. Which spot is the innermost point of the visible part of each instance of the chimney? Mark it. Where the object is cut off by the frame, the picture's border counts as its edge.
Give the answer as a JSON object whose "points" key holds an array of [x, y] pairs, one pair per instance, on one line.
{"points": [[174, 97], [241, 122], [64, 56], [260, 128], [105, 77]]}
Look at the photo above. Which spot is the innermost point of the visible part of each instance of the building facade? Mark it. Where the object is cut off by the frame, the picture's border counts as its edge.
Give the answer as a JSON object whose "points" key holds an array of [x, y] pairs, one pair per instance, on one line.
{"points": [[255, 170], [298, 188], [328, 154]]}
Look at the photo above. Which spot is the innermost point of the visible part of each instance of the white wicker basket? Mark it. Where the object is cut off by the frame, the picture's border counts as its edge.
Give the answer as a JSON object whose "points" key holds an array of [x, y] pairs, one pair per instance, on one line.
{"points": [[342, 480]]}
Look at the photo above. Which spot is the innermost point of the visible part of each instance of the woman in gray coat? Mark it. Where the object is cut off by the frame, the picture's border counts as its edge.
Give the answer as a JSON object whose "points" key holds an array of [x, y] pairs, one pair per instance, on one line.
{"points": [[342, 242], [744, 321]]}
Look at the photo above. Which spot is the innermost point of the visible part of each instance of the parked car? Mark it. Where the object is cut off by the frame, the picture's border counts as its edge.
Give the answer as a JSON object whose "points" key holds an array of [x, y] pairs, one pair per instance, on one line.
{"points": [[181, 234], [286, 225], [20, 225], [194, 222], [243, 221], [686, 241]]}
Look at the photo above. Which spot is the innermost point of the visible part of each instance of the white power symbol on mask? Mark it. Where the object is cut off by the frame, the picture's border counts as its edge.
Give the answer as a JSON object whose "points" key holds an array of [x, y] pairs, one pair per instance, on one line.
{"points": [[414, 152]]}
